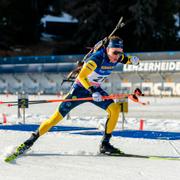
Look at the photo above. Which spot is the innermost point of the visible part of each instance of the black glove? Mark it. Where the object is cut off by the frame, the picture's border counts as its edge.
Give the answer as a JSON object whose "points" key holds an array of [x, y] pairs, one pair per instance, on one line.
{"points": [[138, 92], [95, 94]]}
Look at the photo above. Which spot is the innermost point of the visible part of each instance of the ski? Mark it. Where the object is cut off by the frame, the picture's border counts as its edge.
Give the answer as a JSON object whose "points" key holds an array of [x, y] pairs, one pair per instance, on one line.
{"points": [[12, 157], [177, 158], [20, 150]]}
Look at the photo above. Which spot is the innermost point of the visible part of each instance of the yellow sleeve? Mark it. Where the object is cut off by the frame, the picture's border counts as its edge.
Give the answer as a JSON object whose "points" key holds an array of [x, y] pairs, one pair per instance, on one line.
{"points": [[129, 61], [87, 69], [125, 59]]}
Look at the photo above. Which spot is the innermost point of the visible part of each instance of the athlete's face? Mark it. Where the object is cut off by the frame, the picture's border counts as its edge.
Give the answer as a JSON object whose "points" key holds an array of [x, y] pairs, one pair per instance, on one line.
{"points": [[114, 54]]}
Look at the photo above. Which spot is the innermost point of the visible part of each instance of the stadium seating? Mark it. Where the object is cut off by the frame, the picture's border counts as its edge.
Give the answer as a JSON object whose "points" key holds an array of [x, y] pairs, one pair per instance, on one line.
{"points": [[45, 74], [51, 83], [3, 86], [34, 83], [30, 85], [14, 85]]}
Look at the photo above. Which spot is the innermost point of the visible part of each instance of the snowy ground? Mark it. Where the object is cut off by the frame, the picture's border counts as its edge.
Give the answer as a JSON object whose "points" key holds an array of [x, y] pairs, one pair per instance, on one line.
{"points": [[65, 156]]}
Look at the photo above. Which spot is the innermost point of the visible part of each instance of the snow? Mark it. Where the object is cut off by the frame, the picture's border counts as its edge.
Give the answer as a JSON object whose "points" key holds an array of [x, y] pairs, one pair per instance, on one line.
{"points": [[177, 22], [65, 17], [66, 156]]}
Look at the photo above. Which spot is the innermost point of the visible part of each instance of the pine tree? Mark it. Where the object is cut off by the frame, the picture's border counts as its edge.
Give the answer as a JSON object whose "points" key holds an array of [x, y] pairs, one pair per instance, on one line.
{"points": [[20, 19], [151, 23]]}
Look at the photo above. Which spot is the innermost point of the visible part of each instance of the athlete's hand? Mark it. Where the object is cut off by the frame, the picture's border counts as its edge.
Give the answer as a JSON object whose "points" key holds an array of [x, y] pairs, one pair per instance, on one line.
{"points": [[95, 94], [134, 60], [97, 97]]}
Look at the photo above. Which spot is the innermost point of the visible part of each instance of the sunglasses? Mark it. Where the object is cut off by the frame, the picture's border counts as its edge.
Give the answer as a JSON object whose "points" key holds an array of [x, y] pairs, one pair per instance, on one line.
{"points": [[117, 52]]}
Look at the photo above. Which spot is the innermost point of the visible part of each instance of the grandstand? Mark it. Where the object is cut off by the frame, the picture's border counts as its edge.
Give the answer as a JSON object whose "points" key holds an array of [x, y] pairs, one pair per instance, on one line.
{"points": [[33, 83], [157, 75]]}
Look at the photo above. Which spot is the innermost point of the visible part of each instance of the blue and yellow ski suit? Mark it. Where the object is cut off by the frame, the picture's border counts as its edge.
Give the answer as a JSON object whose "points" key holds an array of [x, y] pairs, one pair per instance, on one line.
{"points": [[94, 71]]}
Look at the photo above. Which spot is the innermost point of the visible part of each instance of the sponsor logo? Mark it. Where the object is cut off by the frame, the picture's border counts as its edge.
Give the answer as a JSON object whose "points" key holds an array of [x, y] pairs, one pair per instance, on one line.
{"points": [[155, 66], [107, 67]]}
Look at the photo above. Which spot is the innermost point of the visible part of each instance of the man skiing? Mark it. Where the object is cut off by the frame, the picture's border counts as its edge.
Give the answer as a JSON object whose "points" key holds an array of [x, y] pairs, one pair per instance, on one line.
{"points": [[97, 67]]}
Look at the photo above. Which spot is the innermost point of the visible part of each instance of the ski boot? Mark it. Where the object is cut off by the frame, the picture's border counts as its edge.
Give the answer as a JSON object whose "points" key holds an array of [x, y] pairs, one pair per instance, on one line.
{"points": [[107, 148], [20, 150], [28, 143]]}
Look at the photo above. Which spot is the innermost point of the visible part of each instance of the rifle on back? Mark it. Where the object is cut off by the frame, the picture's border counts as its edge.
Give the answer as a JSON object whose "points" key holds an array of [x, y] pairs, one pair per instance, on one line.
{"points": [[74, 73]]}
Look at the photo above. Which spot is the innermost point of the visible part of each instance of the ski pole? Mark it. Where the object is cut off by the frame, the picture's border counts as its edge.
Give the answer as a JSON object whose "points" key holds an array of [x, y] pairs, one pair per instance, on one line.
{"points": [[113, 96], [132, 97]]}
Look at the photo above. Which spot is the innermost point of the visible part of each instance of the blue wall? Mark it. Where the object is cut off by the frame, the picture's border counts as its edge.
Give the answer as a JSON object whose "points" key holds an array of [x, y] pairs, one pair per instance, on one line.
{"points": [[40, 59], [32, 68]]}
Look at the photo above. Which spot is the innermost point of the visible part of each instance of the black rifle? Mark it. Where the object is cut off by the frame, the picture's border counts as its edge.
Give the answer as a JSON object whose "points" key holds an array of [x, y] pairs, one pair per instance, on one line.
{"points": [[73, 74]]}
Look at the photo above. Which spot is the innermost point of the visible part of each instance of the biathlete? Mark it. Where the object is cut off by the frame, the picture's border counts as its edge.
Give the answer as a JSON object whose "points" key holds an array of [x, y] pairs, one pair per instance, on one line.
{"points": [[97, 67]]}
